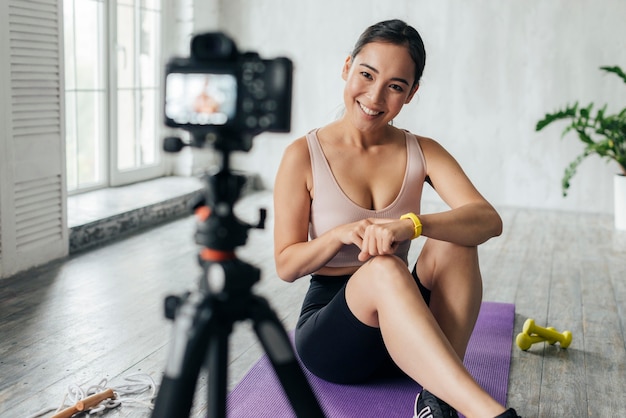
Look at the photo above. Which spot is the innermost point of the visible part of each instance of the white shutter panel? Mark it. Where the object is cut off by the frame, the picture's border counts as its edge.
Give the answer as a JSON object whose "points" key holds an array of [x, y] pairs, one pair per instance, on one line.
{"points": [[34, 230]]}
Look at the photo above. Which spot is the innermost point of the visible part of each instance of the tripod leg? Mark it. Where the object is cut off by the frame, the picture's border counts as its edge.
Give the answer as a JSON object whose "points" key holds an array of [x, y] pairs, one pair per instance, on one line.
{"points": [[276, 343], [186, 357], [218, 369]]}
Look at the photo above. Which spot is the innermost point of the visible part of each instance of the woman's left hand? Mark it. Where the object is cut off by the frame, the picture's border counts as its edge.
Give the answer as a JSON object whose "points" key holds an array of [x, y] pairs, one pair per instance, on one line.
{"points": [[383, 236]]}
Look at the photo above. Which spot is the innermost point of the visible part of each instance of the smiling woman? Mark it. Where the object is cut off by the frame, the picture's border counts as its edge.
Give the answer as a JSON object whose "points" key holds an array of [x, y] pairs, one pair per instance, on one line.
{"points": [[347, 205], [380, 80]]}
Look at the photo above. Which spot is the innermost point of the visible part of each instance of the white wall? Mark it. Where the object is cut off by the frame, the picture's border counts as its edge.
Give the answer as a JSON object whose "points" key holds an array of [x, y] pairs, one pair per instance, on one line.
{"points": [[493, 69]]}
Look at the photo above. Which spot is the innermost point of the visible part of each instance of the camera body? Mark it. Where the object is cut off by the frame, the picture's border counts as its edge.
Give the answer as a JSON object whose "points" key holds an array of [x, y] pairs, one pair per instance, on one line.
{"points": [[217, 89]]}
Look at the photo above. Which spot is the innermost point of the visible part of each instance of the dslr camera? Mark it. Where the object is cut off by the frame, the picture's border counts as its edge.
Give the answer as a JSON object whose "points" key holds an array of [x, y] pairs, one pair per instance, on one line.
{"points": [[232, 95]]}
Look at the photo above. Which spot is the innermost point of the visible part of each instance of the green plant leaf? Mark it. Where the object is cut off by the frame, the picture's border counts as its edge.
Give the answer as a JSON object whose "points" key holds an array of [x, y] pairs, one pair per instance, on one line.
{"points": [[570, 170], [568, 113], [584, 112], [600, 114], [616, 70], [582, 134], [601, 134]]}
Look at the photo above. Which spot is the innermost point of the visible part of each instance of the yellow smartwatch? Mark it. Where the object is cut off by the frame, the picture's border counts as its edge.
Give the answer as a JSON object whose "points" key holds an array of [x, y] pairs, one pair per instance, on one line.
{"points": [[417, 225]]}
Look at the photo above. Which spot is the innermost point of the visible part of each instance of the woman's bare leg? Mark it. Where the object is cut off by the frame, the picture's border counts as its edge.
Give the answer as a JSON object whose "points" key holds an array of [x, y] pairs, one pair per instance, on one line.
{"points": [[451, 272], [383, 294]]}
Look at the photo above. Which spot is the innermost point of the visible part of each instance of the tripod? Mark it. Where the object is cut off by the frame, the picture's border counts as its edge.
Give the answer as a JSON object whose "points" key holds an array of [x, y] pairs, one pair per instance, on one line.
{"points": [[204, 317]]}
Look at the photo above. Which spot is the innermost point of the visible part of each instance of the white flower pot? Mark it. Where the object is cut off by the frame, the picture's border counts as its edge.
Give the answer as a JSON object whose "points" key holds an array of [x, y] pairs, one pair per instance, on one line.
{"points": [[619, 194]]}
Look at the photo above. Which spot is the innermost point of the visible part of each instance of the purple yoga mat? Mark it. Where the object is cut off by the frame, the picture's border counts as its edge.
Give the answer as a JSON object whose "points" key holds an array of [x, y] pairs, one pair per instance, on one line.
{"points": [[488, 358]]}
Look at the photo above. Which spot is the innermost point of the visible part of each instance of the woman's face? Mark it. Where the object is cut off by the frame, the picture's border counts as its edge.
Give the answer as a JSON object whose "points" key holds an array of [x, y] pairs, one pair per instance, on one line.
{"points": [[378, 84]]}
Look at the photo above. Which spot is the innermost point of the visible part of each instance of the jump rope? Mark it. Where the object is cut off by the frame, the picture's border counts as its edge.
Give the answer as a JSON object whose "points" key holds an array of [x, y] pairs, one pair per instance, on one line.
{"points": [[139, 389]]}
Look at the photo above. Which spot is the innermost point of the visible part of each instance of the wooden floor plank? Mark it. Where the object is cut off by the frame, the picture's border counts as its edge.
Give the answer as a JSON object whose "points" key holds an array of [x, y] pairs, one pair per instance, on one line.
{"points": [[605, 358], [563, 389]]}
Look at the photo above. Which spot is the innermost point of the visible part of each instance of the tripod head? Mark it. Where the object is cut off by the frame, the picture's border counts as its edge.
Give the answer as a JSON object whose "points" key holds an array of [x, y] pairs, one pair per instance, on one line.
{"points": [[218, 227]]}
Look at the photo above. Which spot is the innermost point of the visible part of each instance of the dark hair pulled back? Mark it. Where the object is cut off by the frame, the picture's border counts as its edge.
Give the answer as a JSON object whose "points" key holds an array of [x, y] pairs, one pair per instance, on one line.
{"points": [[397, 32]]}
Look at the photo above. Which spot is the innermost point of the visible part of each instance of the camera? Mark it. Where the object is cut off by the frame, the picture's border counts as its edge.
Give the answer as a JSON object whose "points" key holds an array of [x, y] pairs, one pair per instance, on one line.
{"points": [[218, 89]]}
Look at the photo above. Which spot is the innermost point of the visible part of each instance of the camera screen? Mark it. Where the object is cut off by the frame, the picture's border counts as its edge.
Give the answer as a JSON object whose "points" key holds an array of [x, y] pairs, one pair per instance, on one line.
{"points": [[200, 99]]}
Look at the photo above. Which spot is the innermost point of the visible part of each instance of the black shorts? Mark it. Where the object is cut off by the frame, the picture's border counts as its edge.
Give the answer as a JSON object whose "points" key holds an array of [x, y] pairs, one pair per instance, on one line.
{"points": [[332, 343]]}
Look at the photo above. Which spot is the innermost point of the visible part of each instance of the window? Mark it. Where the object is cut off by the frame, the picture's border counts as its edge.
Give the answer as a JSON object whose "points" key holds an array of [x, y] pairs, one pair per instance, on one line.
{"points": [[112, 73], [85, 93]]}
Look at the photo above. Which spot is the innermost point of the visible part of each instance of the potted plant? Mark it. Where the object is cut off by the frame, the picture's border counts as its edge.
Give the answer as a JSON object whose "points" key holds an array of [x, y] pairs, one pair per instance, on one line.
{"points": [[602, 134]]}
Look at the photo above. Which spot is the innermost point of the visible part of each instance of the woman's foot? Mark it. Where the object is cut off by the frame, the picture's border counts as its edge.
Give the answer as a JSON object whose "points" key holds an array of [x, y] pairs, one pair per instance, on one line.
{"points": [[428, 405], [509, 413]]}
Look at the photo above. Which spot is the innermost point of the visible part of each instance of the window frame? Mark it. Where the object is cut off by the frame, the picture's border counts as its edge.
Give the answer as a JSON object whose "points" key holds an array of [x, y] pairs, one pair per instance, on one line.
{"points": [[108, 159]]}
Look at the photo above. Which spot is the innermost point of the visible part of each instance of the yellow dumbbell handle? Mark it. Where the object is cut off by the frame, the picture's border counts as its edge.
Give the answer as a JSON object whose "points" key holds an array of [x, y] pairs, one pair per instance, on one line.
{"points": [[549, 334], [524, 341]]}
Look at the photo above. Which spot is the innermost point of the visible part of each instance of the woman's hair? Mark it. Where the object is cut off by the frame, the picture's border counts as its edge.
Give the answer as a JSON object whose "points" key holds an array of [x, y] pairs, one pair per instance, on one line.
{"points": [[396, 32]]}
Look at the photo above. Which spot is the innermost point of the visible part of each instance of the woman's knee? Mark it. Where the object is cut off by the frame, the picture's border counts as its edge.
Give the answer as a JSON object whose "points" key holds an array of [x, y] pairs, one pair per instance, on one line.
{"points": [[376, 285], [439, 259], [385, 272], [389, 264]]}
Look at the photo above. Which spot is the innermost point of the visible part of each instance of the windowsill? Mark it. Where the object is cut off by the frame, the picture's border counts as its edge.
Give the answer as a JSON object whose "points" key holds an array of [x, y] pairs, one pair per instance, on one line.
{"points": [[105, 203], [101, 216]]}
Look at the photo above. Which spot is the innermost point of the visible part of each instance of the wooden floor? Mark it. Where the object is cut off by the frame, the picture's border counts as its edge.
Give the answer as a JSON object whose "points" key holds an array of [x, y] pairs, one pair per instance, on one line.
{"points": [[99, 314]]}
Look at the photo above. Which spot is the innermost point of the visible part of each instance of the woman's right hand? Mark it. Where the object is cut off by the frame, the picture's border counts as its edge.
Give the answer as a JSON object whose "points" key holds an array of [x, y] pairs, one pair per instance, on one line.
{"points": [[352, 233], [379, 236]]}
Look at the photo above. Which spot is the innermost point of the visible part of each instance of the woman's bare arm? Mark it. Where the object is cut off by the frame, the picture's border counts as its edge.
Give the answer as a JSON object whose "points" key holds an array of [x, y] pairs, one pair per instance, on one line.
{"points": [[471, 220], [294, 254]]}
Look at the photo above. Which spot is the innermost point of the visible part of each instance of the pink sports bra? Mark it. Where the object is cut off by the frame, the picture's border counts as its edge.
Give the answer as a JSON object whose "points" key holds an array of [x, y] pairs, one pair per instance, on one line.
{"points": [[331, 207]]}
